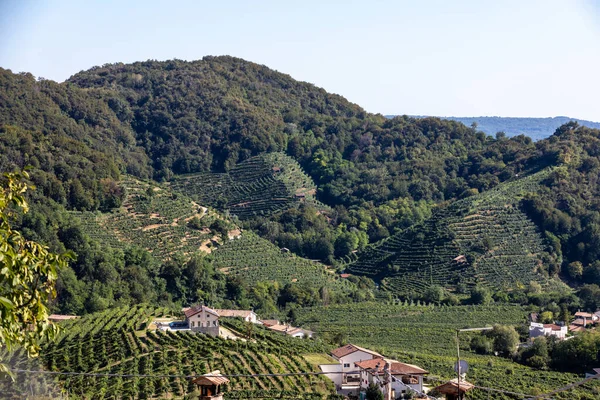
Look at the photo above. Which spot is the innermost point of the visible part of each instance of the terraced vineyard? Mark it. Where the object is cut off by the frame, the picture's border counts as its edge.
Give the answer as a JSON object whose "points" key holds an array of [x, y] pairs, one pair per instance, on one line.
{"points": [[116, 342], [259, 186], [256, 259], [499, 245], [155, 219], [425, 336]]}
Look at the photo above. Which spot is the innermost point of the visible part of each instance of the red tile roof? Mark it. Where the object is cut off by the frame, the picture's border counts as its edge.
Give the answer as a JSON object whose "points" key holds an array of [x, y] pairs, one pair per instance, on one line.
{"points": [[396, 367], [349, 349], [554, 327], [196, 309], [344, 275], [212, 378], [583, 314], [451, 386]]}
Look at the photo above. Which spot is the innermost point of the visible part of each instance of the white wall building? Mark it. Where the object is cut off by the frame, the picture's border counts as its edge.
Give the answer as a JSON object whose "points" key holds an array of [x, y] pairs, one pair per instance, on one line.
{"points": [[202, 319], [404, 377], [537, 330], [347, 356]]}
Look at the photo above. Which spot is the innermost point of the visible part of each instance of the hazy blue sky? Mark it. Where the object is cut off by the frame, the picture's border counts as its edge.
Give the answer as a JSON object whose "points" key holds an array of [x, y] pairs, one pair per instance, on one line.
{"points": [[462, 58]]}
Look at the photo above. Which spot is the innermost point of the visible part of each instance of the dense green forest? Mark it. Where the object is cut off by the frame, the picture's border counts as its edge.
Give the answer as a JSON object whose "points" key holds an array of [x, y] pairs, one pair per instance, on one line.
{"points": [[368, 178]]}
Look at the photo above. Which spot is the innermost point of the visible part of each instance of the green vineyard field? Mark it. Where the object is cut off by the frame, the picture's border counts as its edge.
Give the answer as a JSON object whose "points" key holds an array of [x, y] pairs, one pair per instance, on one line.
{"points": [[117, 342], [258, 186], [501, 246], [424, 335], [256, 259]]}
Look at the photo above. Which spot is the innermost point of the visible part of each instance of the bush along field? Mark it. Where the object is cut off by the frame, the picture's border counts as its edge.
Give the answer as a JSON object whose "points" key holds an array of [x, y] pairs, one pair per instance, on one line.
{"points": [[118, 342], [425, 335], [483, 240]]}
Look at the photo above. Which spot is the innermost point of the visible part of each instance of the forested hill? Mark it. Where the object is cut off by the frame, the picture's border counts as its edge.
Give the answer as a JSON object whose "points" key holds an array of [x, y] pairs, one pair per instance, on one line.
{"points": [[372, 176], [535, 128]]}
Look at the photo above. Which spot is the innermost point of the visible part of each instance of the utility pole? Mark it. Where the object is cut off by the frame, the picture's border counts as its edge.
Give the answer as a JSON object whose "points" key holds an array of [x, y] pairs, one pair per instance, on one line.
{"points": [[458, 370], [388, 381], [458, 365]]}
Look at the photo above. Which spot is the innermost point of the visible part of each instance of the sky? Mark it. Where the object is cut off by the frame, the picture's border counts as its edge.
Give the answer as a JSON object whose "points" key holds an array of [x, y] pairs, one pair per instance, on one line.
{"points": [[525, 58]]}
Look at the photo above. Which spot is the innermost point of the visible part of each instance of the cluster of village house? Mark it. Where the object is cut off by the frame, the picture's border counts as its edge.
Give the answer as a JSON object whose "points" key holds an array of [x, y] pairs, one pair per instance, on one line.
{"points": [[582, 321], [354, 369], [204, 319]]}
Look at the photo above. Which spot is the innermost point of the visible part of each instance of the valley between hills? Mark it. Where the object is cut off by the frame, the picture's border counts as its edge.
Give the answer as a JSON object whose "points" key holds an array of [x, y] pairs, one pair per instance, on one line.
{"points": [[223, 183]]}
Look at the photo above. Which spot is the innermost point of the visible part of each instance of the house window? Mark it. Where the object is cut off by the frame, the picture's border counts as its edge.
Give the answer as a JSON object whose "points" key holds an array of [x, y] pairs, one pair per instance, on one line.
{"points": [[192, 324], [214, 323], [346, 365]]}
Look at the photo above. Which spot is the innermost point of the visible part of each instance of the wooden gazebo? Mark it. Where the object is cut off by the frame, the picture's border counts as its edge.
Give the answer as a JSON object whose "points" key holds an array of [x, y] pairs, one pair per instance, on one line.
{"points": [[451, 389], [210, 385]]}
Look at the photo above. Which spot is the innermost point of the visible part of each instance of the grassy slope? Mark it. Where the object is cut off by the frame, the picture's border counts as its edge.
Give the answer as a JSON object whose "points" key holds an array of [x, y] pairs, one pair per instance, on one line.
{"points": [[425, 336], [504, 244], [116, 341]]}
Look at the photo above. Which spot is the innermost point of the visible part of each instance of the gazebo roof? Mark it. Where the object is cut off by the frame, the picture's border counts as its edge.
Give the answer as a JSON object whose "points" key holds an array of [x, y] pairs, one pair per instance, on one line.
{"points": [[212, 378], [451, 387]]}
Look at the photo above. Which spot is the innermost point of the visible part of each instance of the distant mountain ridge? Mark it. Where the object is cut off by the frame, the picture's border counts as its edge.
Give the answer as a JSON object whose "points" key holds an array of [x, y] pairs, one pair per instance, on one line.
{"points": [[535, 128]]}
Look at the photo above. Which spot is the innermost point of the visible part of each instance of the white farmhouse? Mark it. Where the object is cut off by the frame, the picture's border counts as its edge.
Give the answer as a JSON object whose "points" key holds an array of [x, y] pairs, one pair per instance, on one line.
{"points": [[537, 330], [345, 374], [202, 319]]}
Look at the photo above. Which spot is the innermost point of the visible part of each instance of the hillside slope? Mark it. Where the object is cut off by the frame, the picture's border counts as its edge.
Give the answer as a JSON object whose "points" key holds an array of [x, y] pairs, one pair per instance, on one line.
{"points": [[259, 186], [118, 342], [484, 240]]}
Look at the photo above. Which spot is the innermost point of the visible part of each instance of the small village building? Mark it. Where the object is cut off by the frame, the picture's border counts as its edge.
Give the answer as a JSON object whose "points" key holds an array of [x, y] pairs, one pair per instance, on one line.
{"points": [[537, 330], [594, 372], [346, 374], [202, 319], [405, 378], [291, 331], [210, 385], [452, 390], [246, 315], [269, 322]]}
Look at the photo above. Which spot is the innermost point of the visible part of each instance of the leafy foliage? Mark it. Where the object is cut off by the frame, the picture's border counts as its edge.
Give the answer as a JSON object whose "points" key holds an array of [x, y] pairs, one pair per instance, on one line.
{"points": [[28, 273]]}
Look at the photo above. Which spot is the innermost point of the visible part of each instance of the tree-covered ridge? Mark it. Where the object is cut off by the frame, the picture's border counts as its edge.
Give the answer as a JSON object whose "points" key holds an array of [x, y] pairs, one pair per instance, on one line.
{"points": [[535, 128], [380, 176]]}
